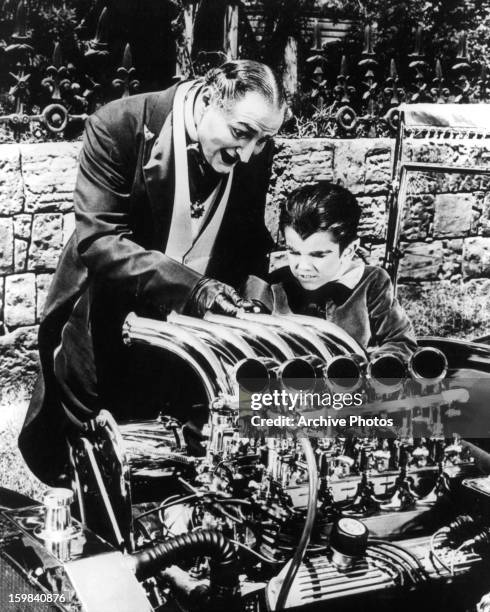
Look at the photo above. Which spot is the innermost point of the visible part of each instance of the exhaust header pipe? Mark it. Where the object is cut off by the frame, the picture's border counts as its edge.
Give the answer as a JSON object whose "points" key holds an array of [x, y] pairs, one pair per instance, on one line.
{"points": [[428, 365], [252, 375], [346, 372], [387, 372]]}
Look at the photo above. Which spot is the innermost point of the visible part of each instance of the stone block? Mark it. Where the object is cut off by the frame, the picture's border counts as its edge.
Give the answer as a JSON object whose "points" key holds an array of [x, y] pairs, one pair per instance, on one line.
{"points": [[19, 362], [49, 172], [68, 226], [349, 167], [301, 160], [476, 257], [307, 146], [452, 255], [47, 241], [11, 181], [481, 215], [312, 165], [421, 182], [20, 300], [20, 255], [417, 217], [22, 226], [6, 245], [378, 166], [43, 282], [306, 173], [420, 261], [455, 182], [460, 152], [452, 214], [373, 218]]}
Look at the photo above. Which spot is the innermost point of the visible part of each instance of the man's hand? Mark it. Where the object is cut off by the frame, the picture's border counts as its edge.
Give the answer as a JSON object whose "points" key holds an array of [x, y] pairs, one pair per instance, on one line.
{"points": [[214, 296]]}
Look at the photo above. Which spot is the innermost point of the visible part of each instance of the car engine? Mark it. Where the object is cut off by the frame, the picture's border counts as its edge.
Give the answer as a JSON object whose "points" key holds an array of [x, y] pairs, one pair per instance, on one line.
{"points": [[194, 515]]}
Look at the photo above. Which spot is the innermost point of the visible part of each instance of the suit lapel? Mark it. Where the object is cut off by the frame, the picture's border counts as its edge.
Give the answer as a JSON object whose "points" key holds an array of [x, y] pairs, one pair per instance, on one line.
{"points": [[158, 175], [157, 162]]}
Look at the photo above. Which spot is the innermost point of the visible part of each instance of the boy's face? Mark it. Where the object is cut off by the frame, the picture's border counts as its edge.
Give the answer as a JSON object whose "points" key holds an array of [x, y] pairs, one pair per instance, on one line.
{"points": [[316, 260]]}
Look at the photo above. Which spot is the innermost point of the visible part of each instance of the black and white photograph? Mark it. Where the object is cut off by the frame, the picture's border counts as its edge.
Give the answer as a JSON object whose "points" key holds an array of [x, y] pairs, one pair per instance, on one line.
{"points": [[244, 305]]}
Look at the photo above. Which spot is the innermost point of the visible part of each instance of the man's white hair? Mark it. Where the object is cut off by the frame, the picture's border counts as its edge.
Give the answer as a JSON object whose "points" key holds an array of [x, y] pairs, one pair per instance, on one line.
{"points": [[232, 80]]}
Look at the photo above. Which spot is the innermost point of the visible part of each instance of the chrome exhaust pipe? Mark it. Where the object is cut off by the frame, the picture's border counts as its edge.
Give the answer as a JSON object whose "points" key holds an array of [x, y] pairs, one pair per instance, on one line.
{"points": [[292, 373], [302, 340], [295, 372], [331, 334], [346, 372], [242, 364], [296, 368], [215, 335], [428, 365], [252, 375], [187, 346], [264, 340], [387, 372], [319, 366]]}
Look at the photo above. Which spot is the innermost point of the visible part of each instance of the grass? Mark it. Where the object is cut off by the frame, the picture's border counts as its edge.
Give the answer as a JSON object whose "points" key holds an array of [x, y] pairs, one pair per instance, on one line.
{"points": [[448, 310], [14, 473]]}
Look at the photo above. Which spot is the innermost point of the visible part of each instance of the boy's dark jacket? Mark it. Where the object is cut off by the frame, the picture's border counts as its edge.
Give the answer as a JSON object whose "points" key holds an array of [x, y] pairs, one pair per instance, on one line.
{"points": [[115, 261], [369, 312]]}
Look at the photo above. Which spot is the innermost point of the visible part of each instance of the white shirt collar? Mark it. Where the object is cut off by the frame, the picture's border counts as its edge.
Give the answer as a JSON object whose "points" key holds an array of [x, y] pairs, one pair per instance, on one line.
{"points": [[190, 125], [350, 273]]}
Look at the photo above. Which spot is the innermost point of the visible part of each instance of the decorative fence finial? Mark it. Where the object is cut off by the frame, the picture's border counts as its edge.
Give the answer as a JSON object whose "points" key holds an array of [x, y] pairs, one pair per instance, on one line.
{"points": [[125, 80], [98, 47], [345, 116], [393, 96], [20, 51], [20, 23], [369, 103], [439, 92]]}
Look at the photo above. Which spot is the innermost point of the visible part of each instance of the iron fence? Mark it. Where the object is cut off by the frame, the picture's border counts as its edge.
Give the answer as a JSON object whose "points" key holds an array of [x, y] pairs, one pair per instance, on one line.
{"points": [[49, 100]]}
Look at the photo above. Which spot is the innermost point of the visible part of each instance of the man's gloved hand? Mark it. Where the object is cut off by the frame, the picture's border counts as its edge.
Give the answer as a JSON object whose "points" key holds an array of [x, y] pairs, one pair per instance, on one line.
{"points": [[214, 296]]}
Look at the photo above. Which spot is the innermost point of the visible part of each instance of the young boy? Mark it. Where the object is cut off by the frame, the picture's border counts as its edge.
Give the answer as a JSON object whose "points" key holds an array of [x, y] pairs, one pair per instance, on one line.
{"points": [[324, 278]]}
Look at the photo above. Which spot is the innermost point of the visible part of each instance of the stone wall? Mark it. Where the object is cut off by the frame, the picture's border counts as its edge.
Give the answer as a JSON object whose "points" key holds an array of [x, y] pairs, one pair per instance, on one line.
{"points": [[446, 235], [36, 219]]}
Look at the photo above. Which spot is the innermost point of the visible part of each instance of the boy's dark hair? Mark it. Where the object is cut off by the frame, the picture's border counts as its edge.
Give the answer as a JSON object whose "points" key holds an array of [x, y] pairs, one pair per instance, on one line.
{"points": [[321, 207]]}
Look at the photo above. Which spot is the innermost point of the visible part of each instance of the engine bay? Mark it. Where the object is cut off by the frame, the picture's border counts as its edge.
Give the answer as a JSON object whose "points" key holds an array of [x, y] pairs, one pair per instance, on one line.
{"points": [[172, 516]]}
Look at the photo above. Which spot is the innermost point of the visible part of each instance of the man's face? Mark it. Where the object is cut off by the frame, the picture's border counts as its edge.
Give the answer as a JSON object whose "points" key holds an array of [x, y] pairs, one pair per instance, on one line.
{"points": [[316, 260], [236, 131]]}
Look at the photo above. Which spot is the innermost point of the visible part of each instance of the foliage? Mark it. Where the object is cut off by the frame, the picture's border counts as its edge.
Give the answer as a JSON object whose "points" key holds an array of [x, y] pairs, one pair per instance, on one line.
{"points": [[448, 310], [281, 19], [395, 22]]}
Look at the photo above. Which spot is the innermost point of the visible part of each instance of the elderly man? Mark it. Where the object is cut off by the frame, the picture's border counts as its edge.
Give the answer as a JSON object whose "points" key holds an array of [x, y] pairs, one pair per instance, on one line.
{"points": [[169, 205]]}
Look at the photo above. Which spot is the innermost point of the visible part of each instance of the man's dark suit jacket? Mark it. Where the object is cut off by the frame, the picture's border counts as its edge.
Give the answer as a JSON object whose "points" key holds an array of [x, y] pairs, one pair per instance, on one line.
{"points": [[115, 262]]}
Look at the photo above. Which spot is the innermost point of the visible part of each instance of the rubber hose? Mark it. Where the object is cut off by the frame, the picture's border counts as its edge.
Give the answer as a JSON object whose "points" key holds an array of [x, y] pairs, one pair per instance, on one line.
{"points": [[206, 543]]}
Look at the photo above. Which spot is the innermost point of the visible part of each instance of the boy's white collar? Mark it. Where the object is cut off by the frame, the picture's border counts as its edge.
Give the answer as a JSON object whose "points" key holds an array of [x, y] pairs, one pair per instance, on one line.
{"points": [[350, 273]]}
